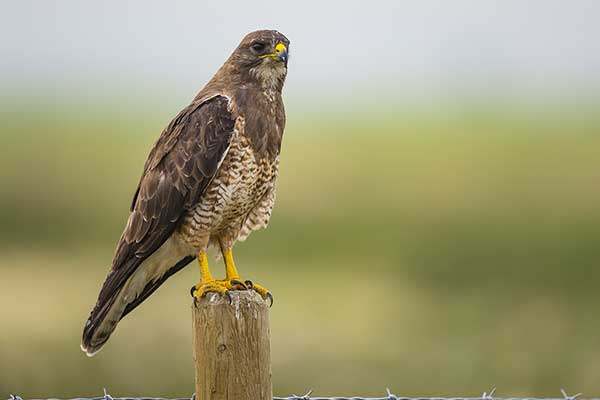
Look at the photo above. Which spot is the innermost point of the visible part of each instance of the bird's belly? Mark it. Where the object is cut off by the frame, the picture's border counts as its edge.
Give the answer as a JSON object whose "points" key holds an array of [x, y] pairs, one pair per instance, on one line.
{"points": [[239, 185]]}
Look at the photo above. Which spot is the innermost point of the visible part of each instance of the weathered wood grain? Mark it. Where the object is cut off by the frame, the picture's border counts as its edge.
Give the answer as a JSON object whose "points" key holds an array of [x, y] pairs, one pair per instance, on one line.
{"points": [[232, 354]]}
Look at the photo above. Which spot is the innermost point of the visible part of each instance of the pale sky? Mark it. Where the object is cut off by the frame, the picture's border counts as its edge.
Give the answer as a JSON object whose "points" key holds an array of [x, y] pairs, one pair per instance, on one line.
{"points": [[530, 48]]}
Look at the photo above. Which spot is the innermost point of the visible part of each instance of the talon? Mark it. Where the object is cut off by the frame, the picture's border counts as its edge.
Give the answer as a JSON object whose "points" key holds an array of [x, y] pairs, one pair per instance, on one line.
{"points": [[249, 284], [192, 290], [264, 293], [228, 293], [240, 283]]}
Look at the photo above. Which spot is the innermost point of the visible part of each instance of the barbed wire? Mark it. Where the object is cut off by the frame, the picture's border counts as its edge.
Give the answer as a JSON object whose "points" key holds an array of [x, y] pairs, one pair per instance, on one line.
{"points": [[389, 396]]}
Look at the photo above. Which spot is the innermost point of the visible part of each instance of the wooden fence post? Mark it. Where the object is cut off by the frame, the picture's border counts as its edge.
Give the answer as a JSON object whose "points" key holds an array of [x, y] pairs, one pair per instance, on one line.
{"points": [[232, 354]]}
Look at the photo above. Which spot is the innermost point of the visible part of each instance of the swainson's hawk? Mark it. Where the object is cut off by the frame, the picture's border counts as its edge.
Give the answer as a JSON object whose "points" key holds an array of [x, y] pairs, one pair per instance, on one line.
{"points": [[209, 180]]}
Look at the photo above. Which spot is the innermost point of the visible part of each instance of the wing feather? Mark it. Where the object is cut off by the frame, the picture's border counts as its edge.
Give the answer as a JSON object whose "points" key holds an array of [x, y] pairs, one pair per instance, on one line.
{"points": [[179, 167]]}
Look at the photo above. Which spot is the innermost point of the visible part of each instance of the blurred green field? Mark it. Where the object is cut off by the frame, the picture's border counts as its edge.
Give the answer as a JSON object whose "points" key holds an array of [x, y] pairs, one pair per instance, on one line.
{"points": [[434, 253]]}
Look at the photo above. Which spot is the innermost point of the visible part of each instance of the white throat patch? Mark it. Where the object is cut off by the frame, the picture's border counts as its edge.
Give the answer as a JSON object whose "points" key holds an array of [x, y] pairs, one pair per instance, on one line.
{"points": [[269, 73]]}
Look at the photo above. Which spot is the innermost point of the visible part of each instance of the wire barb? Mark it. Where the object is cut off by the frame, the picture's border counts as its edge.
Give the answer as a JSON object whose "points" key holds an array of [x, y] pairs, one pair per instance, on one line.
{"points": [[490, 395], [106, 395], [567, 397], [390, 395]]}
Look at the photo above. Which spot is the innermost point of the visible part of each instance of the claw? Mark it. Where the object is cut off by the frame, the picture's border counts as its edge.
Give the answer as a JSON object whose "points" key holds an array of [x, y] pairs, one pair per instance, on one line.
{"points": [[227, 286], [236, 282], [263, 292]]}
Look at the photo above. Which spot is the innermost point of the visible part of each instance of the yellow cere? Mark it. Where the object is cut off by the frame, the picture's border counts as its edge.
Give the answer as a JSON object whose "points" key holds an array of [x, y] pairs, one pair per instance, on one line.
{"points": [[278, 49]]}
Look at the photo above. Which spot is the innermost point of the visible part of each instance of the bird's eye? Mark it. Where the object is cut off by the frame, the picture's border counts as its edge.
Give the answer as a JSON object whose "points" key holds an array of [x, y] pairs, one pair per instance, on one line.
{"points": [[258, 47]]}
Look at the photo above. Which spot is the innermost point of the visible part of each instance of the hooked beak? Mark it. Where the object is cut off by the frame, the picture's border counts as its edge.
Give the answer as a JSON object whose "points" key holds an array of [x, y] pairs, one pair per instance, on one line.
{"points": [[281, 53]]}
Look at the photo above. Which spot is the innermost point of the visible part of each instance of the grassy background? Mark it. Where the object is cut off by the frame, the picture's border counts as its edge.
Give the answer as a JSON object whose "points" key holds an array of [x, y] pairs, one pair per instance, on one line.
{"points": [[435, 253]]}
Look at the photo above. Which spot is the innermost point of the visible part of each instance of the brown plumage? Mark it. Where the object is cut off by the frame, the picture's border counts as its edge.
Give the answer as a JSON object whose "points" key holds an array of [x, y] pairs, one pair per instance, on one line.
{"points": [[209, 179]]}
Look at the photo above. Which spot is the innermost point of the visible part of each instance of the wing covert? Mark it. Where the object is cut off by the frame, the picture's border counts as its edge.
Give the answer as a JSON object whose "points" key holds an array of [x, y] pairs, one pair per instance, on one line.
{"points": [[179, 167]]}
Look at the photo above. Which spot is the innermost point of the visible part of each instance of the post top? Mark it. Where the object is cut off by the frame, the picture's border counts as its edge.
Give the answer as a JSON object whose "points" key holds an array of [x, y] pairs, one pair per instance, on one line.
{"points": [[234, 298]]}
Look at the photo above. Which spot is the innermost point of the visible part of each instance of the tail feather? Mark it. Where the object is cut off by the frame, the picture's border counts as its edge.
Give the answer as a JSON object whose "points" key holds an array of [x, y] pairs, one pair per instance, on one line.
{"points": [[152, 286], [115, 305]]}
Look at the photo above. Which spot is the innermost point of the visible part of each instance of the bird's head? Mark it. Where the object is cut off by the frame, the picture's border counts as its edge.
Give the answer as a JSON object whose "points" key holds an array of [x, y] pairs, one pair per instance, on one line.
{"points": [[264, 56]]}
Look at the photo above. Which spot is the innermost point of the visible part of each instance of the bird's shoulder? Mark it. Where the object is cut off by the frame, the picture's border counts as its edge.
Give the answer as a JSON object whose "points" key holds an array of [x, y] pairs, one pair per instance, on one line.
{"points": [[178, 169]]}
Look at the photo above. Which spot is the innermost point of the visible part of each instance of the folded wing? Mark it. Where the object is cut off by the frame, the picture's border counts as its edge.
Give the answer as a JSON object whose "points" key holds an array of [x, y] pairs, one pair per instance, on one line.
{"points": [[178, 169]]}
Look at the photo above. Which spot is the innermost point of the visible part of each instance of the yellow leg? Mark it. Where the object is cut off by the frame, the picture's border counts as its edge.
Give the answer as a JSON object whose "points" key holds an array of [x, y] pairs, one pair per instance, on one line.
{"points": [[207, 282], [230, 269], [233, 277]]}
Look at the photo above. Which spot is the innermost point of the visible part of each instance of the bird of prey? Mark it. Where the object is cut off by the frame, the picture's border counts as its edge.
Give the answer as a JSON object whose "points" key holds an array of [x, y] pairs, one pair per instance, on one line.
{"points": [[209, 180]]}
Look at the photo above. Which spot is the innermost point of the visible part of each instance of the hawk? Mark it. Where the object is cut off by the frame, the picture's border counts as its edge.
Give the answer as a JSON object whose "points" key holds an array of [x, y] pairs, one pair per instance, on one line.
{"points": [[209, 180]]}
